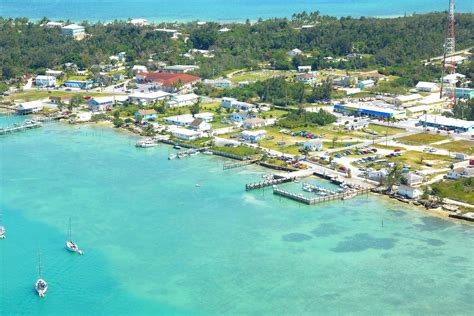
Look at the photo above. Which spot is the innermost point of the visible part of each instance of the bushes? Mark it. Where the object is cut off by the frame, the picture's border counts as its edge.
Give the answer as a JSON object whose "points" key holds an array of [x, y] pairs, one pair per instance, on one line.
{"points": [[302, 118]]}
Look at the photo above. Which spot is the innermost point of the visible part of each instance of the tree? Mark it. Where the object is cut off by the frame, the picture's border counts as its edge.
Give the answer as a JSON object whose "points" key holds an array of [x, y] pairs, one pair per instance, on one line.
{"points": [[334, 140], [394, 176], [195, 108], [118, 122]]}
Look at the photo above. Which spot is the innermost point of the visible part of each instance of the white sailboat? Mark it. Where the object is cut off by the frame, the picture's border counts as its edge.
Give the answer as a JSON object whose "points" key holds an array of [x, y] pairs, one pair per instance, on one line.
{"points": [[41, 286], [70, 245], [2, 228]]}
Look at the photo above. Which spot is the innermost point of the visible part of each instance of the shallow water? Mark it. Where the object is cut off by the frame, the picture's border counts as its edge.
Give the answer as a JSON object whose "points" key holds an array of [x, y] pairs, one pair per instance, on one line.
{"points": [[215, 10], [154, 242]]}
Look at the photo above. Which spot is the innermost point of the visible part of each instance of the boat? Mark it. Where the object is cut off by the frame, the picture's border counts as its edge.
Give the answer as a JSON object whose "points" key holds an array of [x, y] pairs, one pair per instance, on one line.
{"points": [[70, 245], [172, 156], [177, 147], [2, 228], [146, 143], [207, 152], [41, 286]]}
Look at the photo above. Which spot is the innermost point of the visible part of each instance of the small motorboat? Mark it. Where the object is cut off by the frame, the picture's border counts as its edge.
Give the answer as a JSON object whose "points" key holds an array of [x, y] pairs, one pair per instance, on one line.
{"points": [[146, 143], [177, 147], [172, 156]]}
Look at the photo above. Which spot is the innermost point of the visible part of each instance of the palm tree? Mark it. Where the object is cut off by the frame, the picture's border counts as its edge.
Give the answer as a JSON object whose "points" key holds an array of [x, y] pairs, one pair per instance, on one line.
{"points": [[394, 176]]}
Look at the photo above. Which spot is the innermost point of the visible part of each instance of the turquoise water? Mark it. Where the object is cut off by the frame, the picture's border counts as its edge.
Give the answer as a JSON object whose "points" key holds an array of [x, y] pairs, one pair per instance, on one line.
{"points": [[156, 244], [215, 10]]}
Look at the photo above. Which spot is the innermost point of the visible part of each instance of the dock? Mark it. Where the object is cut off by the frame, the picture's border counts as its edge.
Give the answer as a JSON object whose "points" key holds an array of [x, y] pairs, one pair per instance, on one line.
{"points": [[267, 183], [299, 197], [20, 128], [238, 164]]}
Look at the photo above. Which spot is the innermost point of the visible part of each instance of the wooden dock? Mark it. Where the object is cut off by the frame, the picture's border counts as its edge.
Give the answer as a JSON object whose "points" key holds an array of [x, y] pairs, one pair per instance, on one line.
{"points": [[238, 164], [299, 197], [19, 128], [266, 183]]}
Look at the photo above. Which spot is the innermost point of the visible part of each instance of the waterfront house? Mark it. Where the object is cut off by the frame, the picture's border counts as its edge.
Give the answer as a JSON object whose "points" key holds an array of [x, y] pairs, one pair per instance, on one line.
{"points": [[45, 81], [149, 114], [413, 179], [254, 123], [75, 31], [199, 124], [180, 100], [30, 107], [377, 175], [253, 136], [187, 119], [138, 22], [424, 86], [147, 98], [313, 145], [409, 191], [186, 134], [103, 103]]}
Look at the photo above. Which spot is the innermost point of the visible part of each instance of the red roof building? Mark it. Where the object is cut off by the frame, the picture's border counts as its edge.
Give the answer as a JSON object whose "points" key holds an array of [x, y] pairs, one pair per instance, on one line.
{"points": [[167, 80]]}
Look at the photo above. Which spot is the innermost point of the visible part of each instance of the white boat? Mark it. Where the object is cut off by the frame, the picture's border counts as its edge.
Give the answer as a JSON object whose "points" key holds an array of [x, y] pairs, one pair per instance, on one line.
{"points": [[41, 286], [177, 147], [207, 152], [70, 245], [146, 143], [172, 156], [2, 232]]}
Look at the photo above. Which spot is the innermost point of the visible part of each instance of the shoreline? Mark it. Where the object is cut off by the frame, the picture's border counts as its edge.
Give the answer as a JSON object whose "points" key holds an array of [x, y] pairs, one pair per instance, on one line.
{"points": [[433, 212]]}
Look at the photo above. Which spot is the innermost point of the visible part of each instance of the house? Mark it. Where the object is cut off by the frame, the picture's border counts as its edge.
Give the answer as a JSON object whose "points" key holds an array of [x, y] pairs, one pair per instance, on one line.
{"points": [[224, 30], [79, 84], [312, 145], [173, 33], [424, 86], [138, 22], [147, 98], [186, 134], [54, 73], [413, 179], [345, 81], [220, 83], [253, 136], [302, 69], [45, 81], [463, 93], [402, 99], [409, 191], [377, 174], [59, 99], [187, 119], [29, 107], [254, 123], [52, 24], [146, 114], [374, 76], [75, 31], [461, 156], [458, 173], [306, 78], [453, 78], [104, 103], [239, 117], [295, 52], [179, 69], [199, 125], [354, 126], [364, 84], [169, 82], [181, 100], [139, 68], [235, 104]]}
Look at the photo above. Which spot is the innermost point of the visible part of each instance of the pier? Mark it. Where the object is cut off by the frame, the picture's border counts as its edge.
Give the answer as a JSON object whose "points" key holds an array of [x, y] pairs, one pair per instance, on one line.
{"points": [[299, 197], [232, 165], [267, 183], [20, 128]]}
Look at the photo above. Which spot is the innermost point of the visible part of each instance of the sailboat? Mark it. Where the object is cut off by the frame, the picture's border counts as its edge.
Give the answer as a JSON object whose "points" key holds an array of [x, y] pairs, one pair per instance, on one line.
{"points": [[70, 245], [2, 228], [41, 286]]}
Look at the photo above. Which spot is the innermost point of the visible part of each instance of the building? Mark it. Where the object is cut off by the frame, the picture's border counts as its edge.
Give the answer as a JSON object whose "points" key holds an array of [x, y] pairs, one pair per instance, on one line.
{"points": [[409, 191], [75, 31], [169, 82], [295, 52], [424, 86], [364, 84], [139, 68], [54, 73], [373, 111], [29, 107], [220, 83], [302, 69], [376, 175], [187, 119], [52, 24], [179, 69], [45, 81], [418, 110], [253, 123], [253, 136], [345, 81], [174, 34], [357, 125], [198, 124], [443, 122], [306, 78], [180, 100], [79, 84], [312, 145], [239, 117], [401, 99], [138, 22], [464, 93], [59, 99], [147, 98], [146, 114], [413, 179], [453, 78], [458, 173], [100, 104], [186, 134], [237, 105]]}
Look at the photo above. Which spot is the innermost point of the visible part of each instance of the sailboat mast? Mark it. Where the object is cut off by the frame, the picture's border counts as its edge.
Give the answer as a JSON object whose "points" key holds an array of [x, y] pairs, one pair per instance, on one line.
{"points": [[70, 229], [39, 264]]}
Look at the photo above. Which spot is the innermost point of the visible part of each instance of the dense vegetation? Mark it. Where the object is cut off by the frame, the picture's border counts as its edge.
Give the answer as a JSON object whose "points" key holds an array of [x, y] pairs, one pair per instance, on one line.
{"points": [[464, 110], [461, 190], [303, 118], [27, 47]]}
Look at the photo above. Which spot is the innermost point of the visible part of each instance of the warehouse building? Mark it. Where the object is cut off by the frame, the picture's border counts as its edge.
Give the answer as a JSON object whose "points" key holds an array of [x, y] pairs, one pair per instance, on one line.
{"points": [[443, 122], [373, 111]]}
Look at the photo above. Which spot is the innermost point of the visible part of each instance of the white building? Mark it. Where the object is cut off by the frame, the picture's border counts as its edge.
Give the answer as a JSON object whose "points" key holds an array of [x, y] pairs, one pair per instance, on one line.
{"points": [[414, 179], [54, 73], [186, 134], [306, 78], [409, 191], [173, 33], [138, 22], [187, 119], [100, 104], [180, 100], [313, 145], [462, 172], [30, 107], [295, 52], [424, 86], [443, 122], [52, 24], [401, 99], [453, 78], [253, 136], [237, 105], [139, 68], [220, 83], [45, 81], [200, 125], [377, 174], [74, 30], [304, 69], [147, 98], [254, 123], [354, 126]]}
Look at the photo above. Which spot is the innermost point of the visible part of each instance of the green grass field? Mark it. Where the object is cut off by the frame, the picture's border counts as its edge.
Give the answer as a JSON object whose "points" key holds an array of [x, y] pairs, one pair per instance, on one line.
{"points": [[33, 95], [460, 146], [461, 190], [421, 139], [419, 159], [382, 130]]}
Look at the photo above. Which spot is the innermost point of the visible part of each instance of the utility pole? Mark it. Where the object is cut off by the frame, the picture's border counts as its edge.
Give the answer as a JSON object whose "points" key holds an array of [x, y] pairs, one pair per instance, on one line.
{"points": [[449, 63]]}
